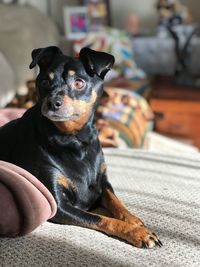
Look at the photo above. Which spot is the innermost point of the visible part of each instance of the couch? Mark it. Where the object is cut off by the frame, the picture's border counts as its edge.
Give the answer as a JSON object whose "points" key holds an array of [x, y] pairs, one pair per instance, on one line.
{"points": [[162, 190], [22, 28], [156, 55]]}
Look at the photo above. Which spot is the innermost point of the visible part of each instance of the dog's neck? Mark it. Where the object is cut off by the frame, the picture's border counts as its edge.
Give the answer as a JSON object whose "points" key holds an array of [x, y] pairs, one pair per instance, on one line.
{"points": [[87, 135]]}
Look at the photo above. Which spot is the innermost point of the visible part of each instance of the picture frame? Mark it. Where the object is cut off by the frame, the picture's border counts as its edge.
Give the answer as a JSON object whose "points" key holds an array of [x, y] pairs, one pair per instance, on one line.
{"points": [[76, 22], [98, 12]]}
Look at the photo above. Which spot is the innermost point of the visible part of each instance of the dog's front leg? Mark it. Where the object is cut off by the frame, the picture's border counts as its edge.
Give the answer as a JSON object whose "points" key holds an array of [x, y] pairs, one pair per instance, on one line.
{"points": [[135, 235], [110, 201]]}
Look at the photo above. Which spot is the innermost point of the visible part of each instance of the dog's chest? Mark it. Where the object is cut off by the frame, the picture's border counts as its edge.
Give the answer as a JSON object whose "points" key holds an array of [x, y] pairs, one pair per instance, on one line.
{"points": [[82, 179]]}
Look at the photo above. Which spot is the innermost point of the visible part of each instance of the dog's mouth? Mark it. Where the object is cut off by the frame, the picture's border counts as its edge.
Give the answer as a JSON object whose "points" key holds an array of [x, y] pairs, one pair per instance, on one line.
{"points": [[57, 117], [64, 113]]}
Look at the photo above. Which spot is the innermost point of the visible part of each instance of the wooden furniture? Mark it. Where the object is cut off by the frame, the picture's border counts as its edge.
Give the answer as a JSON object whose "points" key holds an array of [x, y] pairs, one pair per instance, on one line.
{"points": [[177, 110]]}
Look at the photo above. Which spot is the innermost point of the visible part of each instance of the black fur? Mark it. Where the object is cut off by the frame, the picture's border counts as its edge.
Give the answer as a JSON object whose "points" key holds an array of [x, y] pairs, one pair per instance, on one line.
{"points": [[57, 141], [37, 145]]}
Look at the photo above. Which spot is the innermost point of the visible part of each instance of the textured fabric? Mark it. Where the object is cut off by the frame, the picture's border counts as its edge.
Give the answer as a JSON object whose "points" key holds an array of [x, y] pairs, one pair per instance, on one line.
{"points": [[162, 190], [8, 114], [128, 113], [25, 203]]}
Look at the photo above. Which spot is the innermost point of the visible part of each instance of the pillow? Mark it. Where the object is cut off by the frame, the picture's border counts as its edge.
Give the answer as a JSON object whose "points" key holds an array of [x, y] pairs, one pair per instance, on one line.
{"points": [[25, 203], [8, 114], [127, 118]]}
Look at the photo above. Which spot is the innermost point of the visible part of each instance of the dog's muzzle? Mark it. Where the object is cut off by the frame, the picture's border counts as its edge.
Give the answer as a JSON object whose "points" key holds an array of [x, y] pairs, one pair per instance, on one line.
{"points": [[55, 109]]}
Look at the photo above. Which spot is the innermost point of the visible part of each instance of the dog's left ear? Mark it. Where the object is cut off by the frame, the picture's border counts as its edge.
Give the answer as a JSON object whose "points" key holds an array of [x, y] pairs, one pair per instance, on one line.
{"points": [[94, 62], [44, 56]]}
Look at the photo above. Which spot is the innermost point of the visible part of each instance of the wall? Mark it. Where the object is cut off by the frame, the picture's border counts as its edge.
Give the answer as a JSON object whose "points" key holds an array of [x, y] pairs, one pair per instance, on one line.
{"points": [[143, 8], [120, 10], [56, 10], [195, 9], [146, 10]]}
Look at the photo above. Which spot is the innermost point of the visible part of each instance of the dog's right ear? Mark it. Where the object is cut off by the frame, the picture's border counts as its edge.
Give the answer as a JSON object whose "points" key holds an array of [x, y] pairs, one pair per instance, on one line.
{"points": [[98, 63], [44, 56]]}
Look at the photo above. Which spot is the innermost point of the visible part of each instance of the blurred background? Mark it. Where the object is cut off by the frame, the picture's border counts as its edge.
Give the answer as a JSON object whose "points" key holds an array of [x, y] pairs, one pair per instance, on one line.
{"points": [[152, 96]]}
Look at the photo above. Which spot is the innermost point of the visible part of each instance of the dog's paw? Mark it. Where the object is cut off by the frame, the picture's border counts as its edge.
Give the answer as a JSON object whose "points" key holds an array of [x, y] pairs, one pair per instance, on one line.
{"points": [[132, 219], [143, 238]]}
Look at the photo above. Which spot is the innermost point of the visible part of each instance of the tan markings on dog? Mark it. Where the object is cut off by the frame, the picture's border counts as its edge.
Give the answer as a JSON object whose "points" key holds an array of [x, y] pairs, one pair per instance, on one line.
{"points": [[118, 209], [71, 72], [103, 167], [66, 182], [51, 75], [80, 107], [136, 235]]}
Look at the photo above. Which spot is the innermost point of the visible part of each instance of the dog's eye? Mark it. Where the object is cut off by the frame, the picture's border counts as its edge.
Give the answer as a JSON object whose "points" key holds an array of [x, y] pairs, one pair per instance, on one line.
{"points": [[79, 84], [45, 83]]}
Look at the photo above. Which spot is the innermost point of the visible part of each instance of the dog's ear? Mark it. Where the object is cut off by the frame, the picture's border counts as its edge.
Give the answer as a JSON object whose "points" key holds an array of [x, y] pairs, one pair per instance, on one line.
{"points": [[94, 62], [44, 56]]}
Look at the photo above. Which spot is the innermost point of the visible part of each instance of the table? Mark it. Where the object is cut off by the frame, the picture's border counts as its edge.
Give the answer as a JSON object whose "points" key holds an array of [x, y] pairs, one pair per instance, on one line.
{"points": [[176, 109]]}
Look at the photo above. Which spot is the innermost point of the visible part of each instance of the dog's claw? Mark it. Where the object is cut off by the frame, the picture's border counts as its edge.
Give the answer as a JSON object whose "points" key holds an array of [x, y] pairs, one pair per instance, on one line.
{"points": [[159, 243], [155, 235], [144, 245]]}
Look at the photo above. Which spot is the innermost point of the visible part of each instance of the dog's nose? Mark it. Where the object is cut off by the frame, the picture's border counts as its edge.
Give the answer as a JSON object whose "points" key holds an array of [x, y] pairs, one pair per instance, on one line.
{"points": [[54, 104]]}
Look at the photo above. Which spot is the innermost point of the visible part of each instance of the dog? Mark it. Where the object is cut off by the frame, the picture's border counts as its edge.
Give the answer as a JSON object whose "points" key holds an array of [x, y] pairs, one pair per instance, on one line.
{"points": [[57, 141]]}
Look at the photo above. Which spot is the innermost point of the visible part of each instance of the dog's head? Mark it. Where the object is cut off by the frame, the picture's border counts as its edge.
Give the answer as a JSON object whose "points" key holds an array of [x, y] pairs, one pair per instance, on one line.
{"points": [[69, 88]]}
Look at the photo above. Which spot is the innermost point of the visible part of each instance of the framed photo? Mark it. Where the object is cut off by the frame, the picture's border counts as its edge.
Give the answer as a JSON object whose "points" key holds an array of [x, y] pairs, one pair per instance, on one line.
{"points": [[99, 13], [76, 22]]}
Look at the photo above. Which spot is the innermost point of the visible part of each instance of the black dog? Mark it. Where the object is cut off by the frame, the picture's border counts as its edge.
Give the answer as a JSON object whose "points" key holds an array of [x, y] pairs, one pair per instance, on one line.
{"points": [[57, 141]]}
